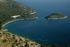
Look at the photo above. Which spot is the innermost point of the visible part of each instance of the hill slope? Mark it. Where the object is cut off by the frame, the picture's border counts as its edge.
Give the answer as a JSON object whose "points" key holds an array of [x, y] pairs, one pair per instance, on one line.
{"points": [[10, 40]]}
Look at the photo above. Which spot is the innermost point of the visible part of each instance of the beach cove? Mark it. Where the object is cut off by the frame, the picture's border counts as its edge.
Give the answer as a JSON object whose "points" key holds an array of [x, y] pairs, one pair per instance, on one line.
{"points": [[41, 30]]}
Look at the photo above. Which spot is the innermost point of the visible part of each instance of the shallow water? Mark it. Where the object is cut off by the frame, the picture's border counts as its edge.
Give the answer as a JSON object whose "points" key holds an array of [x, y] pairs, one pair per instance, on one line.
{"points": [[42, 30]]}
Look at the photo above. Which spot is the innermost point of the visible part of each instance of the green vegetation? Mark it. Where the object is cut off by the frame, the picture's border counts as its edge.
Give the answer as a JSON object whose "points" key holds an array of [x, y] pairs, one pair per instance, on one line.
{"points": [[9, 8]]}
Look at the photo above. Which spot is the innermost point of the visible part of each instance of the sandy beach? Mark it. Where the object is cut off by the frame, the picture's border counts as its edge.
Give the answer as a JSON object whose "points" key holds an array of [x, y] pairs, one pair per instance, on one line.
{"points": [[10, 22]]}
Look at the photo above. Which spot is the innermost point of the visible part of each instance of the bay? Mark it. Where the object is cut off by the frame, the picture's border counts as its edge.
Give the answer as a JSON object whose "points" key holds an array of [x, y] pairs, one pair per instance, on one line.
{"points": [[42, 30]]}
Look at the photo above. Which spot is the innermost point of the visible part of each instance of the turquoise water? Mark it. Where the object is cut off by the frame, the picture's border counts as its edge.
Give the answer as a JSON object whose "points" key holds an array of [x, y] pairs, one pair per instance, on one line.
{"points": [[42, 30]]}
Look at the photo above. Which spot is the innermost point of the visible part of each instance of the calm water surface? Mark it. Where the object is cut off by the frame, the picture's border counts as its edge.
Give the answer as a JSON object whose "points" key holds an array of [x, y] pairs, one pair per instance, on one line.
{"points": [[42, 30]]}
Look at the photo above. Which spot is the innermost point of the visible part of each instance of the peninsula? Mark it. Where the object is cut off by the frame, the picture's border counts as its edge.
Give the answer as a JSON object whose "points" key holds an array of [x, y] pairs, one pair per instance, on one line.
{"points": [[11, 10]]}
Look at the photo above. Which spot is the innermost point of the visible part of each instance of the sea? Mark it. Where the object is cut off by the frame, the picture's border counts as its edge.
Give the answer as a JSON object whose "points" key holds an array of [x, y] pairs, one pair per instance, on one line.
{"points": [[42, 30]]}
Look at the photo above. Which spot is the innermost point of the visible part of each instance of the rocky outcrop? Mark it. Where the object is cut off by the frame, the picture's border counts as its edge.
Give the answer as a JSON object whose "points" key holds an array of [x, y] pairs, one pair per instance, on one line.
{"points": [[8, 39]]}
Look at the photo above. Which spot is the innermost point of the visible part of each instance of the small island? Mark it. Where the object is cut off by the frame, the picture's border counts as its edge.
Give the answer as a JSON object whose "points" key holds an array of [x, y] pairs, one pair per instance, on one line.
{"points": [[56, 16]]}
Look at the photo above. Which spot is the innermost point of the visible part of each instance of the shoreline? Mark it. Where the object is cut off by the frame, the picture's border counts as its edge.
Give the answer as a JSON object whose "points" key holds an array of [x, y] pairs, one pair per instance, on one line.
{"points": [[59, 18], [15, 20], [10, 22]]}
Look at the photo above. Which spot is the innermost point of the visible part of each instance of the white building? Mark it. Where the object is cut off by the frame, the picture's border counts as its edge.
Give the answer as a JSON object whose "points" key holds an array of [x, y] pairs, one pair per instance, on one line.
{"points": [[15, 16], [33, 13]]}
